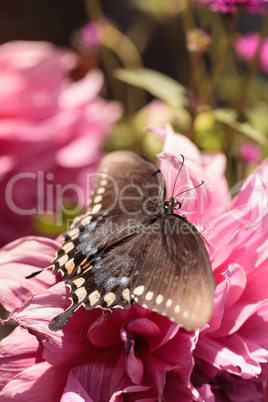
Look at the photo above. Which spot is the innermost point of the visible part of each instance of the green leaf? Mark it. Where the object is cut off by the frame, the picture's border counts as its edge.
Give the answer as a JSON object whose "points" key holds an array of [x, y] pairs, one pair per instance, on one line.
{"points": [[229, 117], [161, 86]]}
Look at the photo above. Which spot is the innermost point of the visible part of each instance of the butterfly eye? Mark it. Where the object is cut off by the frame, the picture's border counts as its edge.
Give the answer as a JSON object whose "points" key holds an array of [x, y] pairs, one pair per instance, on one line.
{"points": [[175, 202]]}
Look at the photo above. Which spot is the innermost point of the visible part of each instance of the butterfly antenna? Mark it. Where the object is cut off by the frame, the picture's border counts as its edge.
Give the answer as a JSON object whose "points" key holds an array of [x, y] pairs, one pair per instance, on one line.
{"points": [[182, 163], [189, 189]]}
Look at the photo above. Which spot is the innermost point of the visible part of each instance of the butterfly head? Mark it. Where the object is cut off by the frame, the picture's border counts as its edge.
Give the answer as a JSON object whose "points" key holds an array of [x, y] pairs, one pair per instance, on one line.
{"points": [[171, 205]]}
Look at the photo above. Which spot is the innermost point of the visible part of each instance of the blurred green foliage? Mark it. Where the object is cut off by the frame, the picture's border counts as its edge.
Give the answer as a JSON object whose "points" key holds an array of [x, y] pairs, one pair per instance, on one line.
{"points": [[218, 103]]}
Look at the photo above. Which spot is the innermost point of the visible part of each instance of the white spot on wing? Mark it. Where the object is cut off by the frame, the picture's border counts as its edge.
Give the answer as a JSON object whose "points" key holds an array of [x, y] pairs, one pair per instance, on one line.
{"points": [[126, 295], [168, 302], [81, 293], [103, 182], [86, 220], [68, 246], [185, 314], [94, 297], [109, 298], [138, 291], [159, 299], [73, 233], [62, 260], [100, 190], [96, 208], [177, 309], [98, 199], [79, 282], [149, 295]]}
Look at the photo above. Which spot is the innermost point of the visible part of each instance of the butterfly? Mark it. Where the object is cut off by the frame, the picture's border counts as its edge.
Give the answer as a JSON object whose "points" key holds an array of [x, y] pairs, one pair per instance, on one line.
{"points": [[132, 247]]}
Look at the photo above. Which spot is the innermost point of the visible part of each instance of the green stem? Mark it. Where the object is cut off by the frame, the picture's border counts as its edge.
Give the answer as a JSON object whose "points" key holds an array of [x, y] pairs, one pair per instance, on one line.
{"points": [[220, 56], [188, 24], [196, 60], [93, 8]]}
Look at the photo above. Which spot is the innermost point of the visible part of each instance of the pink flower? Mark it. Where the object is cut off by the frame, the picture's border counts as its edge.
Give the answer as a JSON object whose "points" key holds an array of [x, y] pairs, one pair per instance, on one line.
{"points": [[102, 356], [232, 350], [91, 36], [51, 133], [201, 205], [227, 6], [246, 47], [249, 153]]}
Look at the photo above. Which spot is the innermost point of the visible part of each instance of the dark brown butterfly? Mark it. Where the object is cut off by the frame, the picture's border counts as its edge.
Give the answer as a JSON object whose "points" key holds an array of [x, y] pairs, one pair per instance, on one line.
{"points": [[131, 247]]}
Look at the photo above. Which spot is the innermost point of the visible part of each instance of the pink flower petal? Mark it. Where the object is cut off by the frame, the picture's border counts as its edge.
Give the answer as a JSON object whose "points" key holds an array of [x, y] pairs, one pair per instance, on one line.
{"points": [[41, 382], [230, 354], [238, 282], [95, 379], [52, 131], [74, 391], [221, 294], [204, 393], [112, 324], [178, 353], [214, 166], [134, 366], [132, 395], [29, 255], [82, 91], [257, 341], [58, 347], [253, 190], [18, 351], [228, 316], [177, 144], [167, 329], [175, 391]]}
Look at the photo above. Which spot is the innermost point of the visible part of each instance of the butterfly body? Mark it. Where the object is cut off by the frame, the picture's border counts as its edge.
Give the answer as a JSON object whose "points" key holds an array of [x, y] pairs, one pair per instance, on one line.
{"points": [[131, 247]]}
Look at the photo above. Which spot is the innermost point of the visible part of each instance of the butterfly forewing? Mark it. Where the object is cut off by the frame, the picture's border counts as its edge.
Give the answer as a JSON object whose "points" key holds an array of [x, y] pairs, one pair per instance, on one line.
{"points": [[125, 184], [127, 249]]}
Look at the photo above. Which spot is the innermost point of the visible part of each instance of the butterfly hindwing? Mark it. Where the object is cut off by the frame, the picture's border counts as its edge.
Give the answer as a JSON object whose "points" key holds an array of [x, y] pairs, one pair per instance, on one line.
{"points": [[175, 277], [104, 279]]}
